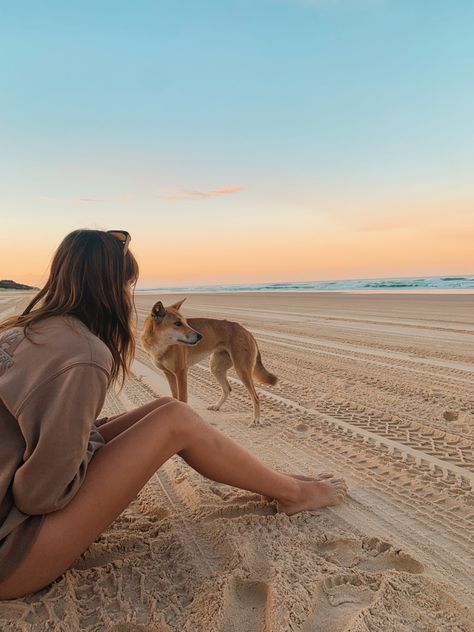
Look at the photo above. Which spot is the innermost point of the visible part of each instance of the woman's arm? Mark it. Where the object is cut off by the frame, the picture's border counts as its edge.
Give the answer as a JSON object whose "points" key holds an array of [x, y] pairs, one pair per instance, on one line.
{"points": [[56, 422]]}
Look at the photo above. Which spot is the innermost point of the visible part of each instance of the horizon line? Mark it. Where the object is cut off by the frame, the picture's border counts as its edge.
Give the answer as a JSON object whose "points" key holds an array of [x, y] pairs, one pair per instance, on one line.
{"points": [[223, 284]]}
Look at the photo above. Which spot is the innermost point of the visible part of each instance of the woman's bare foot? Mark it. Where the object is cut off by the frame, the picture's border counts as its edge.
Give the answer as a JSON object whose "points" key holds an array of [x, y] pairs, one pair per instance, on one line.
{"points": [[324, 491], [301, 477]]}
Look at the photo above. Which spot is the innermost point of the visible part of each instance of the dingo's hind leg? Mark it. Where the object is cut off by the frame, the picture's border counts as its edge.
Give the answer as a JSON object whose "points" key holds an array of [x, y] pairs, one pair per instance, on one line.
{"points": [[245, 375], [220, 362]]}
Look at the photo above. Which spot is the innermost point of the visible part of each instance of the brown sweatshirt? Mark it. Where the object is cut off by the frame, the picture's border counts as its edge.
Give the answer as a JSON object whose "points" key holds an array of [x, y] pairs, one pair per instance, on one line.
{"points": [[50, 397]]}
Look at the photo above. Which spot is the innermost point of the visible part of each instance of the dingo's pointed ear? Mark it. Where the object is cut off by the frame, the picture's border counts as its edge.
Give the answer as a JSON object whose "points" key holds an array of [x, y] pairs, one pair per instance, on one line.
{"points": [[178, 304], [158, 311]]}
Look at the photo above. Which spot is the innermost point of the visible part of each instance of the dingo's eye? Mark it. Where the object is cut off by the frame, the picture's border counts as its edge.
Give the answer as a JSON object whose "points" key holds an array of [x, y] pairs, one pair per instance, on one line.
{"points": [[178, 323]]}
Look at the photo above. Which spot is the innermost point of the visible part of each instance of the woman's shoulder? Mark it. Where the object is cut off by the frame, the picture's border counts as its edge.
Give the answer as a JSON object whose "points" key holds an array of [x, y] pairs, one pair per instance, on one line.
{"points": [[79, 342], [51, 347], [62, 340]]}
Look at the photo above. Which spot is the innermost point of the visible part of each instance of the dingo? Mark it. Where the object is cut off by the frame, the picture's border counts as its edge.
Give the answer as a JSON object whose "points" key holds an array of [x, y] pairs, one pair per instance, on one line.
{"points": [[175, 343]]}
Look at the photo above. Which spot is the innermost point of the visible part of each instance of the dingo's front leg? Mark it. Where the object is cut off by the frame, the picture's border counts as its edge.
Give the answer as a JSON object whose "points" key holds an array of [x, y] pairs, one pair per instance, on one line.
{"points": [[182, 382], [172, 383]]}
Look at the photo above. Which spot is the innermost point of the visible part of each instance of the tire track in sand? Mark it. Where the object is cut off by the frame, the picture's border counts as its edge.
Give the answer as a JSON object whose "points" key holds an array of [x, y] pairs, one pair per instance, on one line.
{"points": [[380, 480]]}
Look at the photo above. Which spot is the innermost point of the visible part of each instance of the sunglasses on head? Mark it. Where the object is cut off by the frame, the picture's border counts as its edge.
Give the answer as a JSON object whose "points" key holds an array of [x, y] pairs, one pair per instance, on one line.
{"points": [[122, 236]]}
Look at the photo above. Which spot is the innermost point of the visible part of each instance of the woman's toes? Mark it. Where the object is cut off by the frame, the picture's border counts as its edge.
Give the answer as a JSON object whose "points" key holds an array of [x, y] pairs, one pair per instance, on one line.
{"points": [[340, 487]]}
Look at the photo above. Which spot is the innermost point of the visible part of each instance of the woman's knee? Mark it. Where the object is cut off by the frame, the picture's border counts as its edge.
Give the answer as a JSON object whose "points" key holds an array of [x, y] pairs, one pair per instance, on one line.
{"points": [[182, 420], [161, 401]]}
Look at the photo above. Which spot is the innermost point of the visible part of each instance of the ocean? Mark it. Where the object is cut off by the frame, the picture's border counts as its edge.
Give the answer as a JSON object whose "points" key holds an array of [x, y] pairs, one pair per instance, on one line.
{"points": [[464, 282]]}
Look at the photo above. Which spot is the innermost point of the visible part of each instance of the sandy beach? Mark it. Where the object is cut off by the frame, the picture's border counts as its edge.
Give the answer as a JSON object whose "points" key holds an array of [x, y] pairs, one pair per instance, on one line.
{"points": [[376, 388]]}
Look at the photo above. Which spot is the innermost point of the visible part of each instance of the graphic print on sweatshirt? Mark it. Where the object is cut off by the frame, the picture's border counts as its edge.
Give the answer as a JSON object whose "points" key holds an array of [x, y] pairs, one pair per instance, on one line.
{"points": [[9, 341]]}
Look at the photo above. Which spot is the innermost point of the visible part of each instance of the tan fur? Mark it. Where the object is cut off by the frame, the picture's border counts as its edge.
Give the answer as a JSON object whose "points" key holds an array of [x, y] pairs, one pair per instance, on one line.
{"points": [[172, 342]]}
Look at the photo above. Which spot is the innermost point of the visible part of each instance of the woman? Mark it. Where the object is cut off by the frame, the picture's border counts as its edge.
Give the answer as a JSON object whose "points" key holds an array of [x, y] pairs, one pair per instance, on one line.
{"points": [[64, 475]]}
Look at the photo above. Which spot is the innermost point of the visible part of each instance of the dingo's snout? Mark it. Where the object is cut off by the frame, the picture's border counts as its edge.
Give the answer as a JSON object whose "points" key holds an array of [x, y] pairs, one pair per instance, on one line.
{"points": [[191, 337], [195, 337]]}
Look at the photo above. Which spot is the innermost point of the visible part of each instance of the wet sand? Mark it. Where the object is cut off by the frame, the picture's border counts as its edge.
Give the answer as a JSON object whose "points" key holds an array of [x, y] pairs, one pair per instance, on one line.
{"points": [[377, 388]]}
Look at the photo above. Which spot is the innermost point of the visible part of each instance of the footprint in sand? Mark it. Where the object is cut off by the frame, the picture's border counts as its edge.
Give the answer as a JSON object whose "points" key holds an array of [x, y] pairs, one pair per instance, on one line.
{"points": [[339, 600], [245, 605], [450, 415], [301, 430], [369, 554]]}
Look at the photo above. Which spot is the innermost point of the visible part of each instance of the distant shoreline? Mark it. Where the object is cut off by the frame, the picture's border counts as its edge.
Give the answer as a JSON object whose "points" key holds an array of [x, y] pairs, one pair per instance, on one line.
{"points": [[398, 284], [8, 284], [297, 291], [164, 291]]}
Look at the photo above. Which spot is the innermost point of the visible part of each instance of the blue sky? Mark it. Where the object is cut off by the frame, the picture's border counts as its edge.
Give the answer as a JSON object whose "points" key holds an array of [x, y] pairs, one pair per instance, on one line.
{"points": [[220, 126]]}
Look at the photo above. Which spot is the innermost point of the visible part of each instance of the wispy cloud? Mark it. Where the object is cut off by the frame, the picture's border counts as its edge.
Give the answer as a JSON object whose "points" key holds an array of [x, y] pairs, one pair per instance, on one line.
{"points": [[114, 198], [196, 194], [88, 200]]}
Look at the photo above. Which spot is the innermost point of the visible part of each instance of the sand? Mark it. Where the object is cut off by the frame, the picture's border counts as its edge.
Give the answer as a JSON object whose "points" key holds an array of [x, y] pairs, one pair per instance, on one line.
{"points": [[375, 388]]}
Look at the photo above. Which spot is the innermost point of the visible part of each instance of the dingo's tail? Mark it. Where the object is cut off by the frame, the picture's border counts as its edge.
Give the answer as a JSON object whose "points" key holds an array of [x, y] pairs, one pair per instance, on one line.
{"points": [[261, 374]]}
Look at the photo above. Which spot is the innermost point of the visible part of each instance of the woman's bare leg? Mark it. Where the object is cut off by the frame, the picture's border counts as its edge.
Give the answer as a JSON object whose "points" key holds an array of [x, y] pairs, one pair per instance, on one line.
{"points": [[119, 423], [123, 466]]}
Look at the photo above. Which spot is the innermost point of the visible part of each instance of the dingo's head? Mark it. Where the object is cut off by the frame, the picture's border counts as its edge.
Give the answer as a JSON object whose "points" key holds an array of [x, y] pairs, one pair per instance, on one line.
{"points": [[172, 326]]}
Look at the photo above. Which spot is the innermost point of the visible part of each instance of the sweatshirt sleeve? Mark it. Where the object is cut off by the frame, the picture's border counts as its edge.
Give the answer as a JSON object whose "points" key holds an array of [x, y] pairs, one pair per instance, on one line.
{"points": [[56, 421]]}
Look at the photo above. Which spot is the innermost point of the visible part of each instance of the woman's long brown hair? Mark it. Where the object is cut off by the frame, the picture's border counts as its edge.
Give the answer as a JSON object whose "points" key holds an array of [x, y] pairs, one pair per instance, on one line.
{"points": [[90, 278]]}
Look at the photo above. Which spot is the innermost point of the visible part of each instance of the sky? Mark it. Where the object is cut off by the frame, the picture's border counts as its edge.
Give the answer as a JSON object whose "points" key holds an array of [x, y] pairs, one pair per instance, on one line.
{"points": [[240, 141]]}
